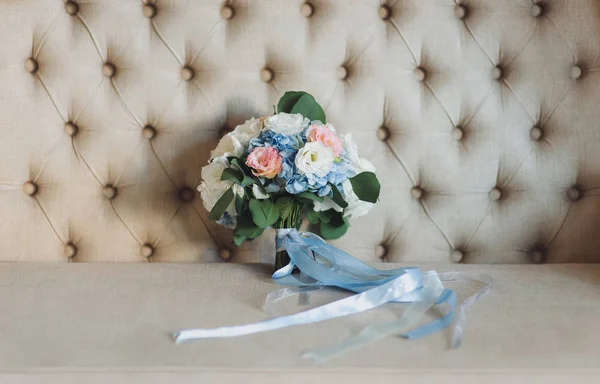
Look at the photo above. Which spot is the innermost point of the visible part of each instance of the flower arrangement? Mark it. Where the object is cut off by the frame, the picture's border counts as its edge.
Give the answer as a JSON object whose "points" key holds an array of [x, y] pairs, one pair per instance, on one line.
{"points": [[276, 170]]}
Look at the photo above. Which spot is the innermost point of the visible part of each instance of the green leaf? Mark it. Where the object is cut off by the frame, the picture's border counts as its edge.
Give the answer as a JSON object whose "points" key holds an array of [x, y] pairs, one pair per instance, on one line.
{"points": [[221, 205], [232, 174], [264, 212], [335, 228], [245, 172], [238, 239], [288, 100], [337, 197], [309, 108], [313, 217], [311, 196], [284, 204], [326, 216], [366, 186], [239, 204], [246, 228]]}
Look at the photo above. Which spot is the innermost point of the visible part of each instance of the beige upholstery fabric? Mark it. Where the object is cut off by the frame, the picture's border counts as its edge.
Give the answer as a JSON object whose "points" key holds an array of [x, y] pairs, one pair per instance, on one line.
{"points": [[482, 119], [83, 320]]}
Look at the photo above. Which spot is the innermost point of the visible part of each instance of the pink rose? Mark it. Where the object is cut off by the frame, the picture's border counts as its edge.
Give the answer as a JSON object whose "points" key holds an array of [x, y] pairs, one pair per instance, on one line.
{"points": [[264, 161], [325, 134]]}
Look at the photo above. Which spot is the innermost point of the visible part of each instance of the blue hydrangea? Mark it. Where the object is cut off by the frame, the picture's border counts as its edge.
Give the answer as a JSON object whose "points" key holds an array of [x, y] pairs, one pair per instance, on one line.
{"points": [[227, 220], [288, 177]]}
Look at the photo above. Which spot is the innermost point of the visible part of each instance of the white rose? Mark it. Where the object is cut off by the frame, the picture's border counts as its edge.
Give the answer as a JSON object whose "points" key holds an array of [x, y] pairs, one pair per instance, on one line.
{"points": [[228, 146], [315, 159], [247, 131], [287, 124]]}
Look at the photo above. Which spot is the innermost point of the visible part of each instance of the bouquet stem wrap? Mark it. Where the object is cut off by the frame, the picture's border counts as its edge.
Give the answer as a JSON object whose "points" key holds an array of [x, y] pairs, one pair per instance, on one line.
{"points": [[321, 264]]}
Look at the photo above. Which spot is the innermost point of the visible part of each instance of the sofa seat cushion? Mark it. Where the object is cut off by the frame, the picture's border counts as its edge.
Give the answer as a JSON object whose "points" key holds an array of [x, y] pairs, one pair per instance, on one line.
{"points": [[69, 322]]}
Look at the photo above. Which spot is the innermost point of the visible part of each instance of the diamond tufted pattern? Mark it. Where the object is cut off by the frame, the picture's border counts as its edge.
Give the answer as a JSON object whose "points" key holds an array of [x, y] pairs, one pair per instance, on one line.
{"points": [[481, 117]]}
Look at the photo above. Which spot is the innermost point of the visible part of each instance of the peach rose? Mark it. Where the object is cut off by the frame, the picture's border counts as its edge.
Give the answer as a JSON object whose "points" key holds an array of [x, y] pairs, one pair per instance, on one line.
{"points": [[325, 134], [265, 162]]}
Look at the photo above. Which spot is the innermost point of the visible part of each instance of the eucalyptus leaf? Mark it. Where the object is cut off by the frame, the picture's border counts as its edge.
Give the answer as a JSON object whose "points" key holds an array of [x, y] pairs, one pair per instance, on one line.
{"points": [[244, 170], [312, 217], [284, 204], [309, 108], [288, 100], [335, 228], [238, 239], [264, 212], [337, 197], [232, 174], [221, 205], [239, 204], [246, 228], [366, 186], [311, 196]]}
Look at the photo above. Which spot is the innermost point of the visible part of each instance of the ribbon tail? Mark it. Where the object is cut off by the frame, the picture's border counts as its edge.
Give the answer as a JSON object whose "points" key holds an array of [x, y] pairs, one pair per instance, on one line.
{"points": [[428, 297]]}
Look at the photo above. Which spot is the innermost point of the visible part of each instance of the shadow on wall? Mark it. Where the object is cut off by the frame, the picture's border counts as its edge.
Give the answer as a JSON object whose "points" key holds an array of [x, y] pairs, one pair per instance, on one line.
{"points": [[194, 237]]}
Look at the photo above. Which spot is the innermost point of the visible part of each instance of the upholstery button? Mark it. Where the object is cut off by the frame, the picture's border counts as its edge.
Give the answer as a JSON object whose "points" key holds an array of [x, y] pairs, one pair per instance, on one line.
{"points": [[381, 251], [71, 128], [109, 191], [147, 250], [149, 10], [460, 11], [267, 75], [307, 9], [227, 12], [70, 250], [497, 73], [536, 133], [576, 72], [186, 194], [385, 12], [109, 69], [574, 194], [342, 72], [30, 188], [383, 133], [225, 254], [31, 65], [419, 74], [187, 73], [538, 257], [457, 256], [537, 10], [458, 133], [148, 132], [496, 194], [71, 7], [416, 193]]}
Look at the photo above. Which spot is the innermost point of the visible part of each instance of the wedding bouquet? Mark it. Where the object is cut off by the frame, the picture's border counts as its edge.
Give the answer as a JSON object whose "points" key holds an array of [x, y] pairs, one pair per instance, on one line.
{"points": [[276, 170]]}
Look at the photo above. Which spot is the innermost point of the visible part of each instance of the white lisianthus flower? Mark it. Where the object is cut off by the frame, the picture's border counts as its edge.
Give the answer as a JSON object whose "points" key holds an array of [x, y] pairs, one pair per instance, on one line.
{"points": [[287, 124], [315, 159], [356, 207], [247, 131], [326, 205], [259, 192], [351, 151], [228, 146], [212, 187]]}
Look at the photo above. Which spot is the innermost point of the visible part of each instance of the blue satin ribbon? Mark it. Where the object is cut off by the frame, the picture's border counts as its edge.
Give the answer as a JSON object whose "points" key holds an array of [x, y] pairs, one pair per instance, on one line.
{"points": [[323, 265]]}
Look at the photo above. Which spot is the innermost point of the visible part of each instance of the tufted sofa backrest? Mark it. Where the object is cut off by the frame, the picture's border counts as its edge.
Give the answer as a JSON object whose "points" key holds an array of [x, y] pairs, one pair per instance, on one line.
{"points": [[482, 117]]}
